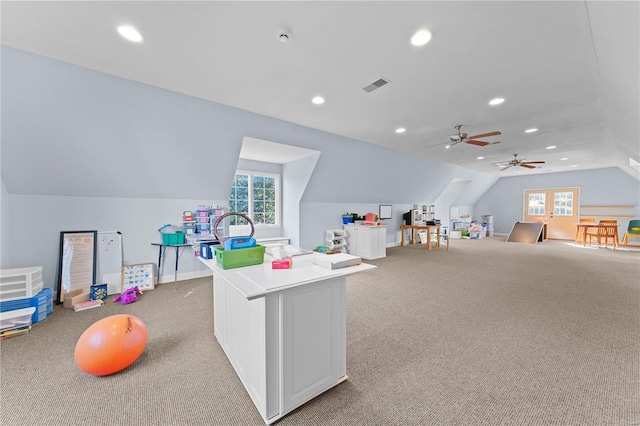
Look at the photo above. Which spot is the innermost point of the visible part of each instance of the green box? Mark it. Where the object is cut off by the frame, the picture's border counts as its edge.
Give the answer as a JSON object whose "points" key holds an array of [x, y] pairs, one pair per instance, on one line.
{"points": [[229, 259], [173, 238]]}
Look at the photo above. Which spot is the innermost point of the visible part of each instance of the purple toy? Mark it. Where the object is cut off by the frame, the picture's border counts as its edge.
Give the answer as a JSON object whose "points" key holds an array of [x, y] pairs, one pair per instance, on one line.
{"points": [[128, 296]]}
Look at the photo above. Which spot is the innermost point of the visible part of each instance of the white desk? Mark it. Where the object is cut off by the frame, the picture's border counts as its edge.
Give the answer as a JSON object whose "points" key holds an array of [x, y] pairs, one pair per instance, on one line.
{"points": [[284, 331]]}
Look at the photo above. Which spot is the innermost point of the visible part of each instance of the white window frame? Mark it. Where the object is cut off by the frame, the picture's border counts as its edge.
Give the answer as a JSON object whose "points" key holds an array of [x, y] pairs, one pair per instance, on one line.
{"points": [[236, 230]]}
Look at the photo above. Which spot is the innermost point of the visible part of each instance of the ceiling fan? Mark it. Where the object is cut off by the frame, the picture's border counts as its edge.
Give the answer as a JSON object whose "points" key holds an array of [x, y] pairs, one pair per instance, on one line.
{"points": [[473, 140], [517, 162]]}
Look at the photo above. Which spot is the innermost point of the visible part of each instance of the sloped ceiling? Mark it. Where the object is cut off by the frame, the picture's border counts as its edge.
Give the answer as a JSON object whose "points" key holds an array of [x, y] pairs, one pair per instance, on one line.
{"points": [[570, 69]]}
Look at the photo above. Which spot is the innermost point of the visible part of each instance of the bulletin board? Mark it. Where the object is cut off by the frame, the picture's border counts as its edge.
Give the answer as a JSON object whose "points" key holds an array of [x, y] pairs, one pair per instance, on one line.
{"points": [[140, 275], [77, 261]]}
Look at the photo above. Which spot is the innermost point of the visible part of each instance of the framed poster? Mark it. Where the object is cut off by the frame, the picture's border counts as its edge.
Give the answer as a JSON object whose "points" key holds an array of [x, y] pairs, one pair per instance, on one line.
{"points": [[385, 211], [140, 275], [77, 261]]}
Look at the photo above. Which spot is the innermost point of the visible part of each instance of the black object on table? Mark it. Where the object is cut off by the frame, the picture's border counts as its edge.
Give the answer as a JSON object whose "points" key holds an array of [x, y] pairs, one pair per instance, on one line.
{"points": [[162, 249]]}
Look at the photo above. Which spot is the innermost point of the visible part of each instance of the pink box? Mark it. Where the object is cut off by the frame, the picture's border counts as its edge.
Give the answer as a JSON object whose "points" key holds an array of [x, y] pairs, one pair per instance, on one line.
{"points": [[281, 264]]}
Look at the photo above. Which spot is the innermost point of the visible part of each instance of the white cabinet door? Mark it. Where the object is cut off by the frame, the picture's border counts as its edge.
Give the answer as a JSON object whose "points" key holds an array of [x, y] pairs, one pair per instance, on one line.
{"points": [[372, 242], [364, 242], [239, 326], [382, 242], [368, 242], [313, 340]]}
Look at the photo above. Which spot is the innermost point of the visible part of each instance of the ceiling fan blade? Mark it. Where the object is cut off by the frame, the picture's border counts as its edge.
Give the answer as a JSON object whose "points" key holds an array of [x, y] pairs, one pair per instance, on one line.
{"points": [[479, 143], [526, 165], [533, 162], [505, 167], [484, 135]]}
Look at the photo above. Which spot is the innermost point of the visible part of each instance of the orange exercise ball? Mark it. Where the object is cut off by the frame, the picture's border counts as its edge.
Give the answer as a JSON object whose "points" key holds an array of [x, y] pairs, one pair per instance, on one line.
{"points": [[111, 344]]}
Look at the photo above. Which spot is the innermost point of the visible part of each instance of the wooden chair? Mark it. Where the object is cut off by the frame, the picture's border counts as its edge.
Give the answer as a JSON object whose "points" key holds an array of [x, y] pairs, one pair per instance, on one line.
{"points": [[608, 229], [591, 232], [633, 231]]}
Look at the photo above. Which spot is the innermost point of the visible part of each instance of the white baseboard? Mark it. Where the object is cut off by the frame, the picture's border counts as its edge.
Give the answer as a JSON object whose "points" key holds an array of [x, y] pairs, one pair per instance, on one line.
{"points": [[185, 276], [396, 244]]}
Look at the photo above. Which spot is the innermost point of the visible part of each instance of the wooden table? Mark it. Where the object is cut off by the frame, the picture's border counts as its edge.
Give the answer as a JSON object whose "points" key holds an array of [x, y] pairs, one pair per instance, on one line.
{"points": [[428, 228], [585, 230]]}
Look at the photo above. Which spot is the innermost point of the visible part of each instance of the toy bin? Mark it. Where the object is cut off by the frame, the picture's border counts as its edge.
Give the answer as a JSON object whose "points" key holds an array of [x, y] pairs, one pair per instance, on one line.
{"points": [[190, 228], [42, 304], [207, 249], [346, 219], [173, 238], [20, 283], [229, 259], [16, 318]]}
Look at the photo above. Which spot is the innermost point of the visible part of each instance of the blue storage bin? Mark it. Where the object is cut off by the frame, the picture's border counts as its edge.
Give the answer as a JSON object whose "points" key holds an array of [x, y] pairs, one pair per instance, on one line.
{"points": [[43, 302], [207, 249]]}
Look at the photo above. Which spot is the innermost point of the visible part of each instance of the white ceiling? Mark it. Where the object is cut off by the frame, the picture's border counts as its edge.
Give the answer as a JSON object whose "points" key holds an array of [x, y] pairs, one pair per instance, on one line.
{"points": [[571, 69]]}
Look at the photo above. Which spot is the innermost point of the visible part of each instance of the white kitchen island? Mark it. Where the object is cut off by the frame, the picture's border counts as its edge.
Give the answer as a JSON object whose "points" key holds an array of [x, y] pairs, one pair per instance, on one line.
{"points": [[284, 330]]}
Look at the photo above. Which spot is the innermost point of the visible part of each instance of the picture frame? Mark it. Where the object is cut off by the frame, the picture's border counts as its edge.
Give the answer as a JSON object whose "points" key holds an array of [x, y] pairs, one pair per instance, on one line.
{"points": [[141, 275], [76, 262], [385, 211]]}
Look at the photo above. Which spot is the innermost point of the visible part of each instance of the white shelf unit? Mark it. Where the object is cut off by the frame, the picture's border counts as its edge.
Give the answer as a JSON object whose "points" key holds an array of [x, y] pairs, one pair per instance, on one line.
{"points": [[368, 242], [336, 239]]}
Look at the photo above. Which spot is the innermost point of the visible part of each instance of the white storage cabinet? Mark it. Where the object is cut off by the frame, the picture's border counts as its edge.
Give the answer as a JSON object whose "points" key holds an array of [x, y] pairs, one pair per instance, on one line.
{"points": [[368, 242], [284, 332]]}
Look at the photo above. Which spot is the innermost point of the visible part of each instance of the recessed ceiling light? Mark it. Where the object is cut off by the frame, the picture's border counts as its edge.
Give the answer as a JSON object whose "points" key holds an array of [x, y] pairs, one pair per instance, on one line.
{"points": [[479, 158], [574, 165], [551, 147], [564, 158], [401, 130], [531, 130], [447, 147], [130, 33], [421, 38], [496, 101], [318, 100]]}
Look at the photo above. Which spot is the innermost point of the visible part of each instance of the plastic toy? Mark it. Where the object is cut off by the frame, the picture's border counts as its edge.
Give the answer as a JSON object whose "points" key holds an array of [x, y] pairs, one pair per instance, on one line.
{"points": [[111, 344], [128, 296]]}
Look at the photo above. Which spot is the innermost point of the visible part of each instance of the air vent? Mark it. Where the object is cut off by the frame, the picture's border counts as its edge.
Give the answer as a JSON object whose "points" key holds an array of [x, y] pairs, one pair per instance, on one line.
{"points": [[376, 85]]}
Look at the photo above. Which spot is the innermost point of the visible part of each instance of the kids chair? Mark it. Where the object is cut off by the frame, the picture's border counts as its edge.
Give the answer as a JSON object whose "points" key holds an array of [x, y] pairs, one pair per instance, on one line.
{"points": [[608, 229], [633, 230], [591, 232]]}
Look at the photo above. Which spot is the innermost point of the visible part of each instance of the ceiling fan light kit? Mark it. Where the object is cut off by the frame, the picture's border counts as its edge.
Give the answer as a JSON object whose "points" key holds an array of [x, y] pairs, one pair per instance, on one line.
{"points": [[461, 137], [518, 162]]}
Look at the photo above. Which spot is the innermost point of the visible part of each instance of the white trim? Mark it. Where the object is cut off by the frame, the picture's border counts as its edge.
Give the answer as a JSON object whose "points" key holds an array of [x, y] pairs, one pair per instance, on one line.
{"points": [[168, 278]]}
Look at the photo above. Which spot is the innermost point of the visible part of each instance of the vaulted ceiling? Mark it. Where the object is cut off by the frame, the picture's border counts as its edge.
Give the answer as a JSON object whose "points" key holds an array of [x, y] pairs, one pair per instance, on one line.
{"points": [[570, 69]]}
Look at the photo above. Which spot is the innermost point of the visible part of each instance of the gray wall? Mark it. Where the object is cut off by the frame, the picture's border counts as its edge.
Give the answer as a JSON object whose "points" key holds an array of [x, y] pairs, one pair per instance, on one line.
{"points": [[5, 229], [598, 187], [85, 150]]}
